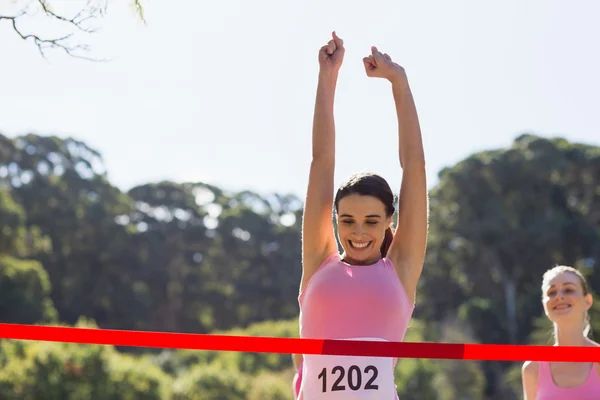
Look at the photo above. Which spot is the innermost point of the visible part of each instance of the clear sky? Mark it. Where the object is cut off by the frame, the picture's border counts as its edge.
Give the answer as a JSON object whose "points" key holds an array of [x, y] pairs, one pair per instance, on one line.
{"points": [[223, 91]]}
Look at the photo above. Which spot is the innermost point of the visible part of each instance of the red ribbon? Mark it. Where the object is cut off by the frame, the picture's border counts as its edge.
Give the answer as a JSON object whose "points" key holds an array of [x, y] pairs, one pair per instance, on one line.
{"points": [[254, 344]]}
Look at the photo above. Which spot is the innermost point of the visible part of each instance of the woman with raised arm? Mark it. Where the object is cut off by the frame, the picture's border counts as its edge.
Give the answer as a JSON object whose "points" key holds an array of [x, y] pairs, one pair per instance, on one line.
{"points": [[368, 292], [566, 303]]}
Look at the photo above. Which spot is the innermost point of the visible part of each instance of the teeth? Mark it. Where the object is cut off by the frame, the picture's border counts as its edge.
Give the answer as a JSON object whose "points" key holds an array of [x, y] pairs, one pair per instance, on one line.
{"points": [[360, 246]]}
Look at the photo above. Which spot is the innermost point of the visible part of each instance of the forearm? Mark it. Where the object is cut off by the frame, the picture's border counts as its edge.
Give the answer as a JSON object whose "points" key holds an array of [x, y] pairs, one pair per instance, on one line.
{"points": [[323, 139], [409, 131]]}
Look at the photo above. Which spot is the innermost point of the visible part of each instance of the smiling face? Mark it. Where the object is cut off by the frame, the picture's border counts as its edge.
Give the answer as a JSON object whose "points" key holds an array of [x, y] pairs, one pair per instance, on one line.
{"points": [[362, 222], [565, 298]]}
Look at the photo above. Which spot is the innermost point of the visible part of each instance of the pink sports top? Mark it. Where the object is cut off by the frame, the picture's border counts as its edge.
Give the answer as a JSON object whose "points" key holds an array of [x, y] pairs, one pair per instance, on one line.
{"points": [[349, 302], [547, 389]]}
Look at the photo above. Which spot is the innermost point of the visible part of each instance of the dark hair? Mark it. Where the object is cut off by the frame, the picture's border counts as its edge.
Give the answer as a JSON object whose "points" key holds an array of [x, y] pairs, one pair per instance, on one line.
{"points": [[369, 184]]}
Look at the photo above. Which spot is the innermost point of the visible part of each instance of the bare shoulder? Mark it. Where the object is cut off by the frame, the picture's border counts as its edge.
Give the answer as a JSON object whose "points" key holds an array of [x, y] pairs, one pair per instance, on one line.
{"points": [[530, 369], [529, 377], [597, 364]]}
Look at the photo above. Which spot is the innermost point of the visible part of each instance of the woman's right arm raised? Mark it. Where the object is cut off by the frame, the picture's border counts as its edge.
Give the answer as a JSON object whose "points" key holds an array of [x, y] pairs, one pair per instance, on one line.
{"points": [[318, 239]]}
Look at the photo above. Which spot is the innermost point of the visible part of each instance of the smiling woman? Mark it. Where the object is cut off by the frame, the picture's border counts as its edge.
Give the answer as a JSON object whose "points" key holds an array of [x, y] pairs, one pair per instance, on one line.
{"points": [[566, 303], [365, 207], [366, 293]]}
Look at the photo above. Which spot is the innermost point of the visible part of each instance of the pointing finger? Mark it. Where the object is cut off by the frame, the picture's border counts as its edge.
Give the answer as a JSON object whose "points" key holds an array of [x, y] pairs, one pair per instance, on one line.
{"points": [[339, 42], [376, 54]]}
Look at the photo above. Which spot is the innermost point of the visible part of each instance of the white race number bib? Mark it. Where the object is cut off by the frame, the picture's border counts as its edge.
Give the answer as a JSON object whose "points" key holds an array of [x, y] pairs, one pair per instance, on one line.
{"points": [[348, 377]]}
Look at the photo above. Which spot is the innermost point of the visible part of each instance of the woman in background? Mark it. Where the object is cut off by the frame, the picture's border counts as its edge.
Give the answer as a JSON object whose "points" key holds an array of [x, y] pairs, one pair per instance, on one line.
{"points": [[566, 303]]}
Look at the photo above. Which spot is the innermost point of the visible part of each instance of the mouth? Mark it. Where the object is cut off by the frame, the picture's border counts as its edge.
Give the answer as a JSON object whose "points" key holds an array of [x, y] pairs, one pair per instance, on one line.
{"points": [[359, 246], [561, 307]]}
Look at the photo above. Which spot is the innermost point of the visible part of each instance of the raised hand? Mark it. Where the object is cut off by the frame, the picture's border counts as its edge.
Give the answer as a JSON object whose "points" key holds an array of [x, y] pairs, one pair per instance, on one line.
{"points": [[332, 54], [380, 65]]}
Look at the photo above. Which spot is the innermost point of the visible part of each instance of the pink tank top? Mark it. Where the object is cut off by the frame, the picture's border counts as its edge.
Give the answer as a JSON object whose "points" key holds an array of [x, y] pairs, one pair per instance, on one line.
{"points": [[547, 389], [348, 302]]}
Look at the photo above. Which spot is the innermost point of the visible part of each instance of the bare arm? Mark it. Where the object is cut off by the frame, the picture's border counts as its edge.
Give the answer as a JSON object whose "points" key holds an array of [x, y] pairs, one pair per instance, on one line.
{"points": [[407, 250], [529, 377], [318, 239], [296, 360]]}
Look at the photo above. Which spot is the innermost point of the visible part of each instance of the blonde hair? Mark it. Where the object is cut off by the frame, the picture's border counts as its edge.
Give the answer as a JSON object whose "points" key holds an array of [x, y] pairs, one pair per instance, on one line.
{"points": [[559, 269]]}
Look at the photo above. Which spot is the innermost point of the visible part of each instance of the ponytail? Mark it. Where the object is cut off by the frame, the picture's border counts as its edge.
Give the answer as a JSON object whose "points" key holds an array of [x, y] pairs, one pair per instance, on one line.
{"points": [[387, 242], [588, 326]]}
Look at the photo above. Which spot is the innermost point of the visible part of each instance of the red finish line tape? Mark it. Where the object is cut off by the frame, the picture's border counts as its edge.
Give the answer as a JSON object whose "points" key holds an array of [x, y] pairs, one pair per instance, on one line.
{"points": [[254, 344]]}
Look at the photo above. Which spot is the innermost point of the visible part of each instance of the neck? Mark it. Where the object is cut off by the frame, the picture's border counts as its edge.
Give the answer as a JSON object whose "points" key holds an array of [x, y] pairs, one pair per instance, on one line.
{"points": [[569, 335], [351, 261]]}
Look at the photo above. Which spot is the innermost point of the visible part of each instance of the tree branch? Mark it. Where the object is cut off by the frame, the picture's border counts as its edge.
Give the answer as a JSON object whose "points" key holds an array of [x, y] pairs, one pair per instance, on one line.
{"points": [[78, 22], [137, 6], [44, 44]]}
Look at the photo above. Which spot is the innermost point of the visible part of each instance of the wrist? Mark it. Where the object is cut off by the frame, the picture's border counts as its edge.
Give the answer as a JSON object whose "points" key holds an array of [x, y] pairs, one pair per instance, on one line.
{"points": [[328, 76], [399, 79]]}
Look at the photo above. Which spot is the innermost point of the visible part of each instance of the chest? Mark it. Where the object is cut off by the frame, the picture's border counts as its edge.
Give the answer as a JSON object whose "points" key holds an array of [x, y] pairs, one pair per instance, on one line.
{"points": [[347, 287], [571, 375]]}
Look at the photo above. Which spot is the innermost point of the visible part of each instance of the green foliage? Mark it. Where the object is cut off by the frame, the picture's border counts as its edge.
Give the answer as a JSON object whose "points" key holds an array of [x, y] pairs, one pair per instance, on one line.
{"points": [[413, 377], [24, 292], [56, 372], [439, 379], [178, 362], [52, 371], [499, 220], [270, 387], [150, 252], [513, 381], [191, 257], [253, 363], [459, 380], [210, 383], [12, 216], [133, 378]]}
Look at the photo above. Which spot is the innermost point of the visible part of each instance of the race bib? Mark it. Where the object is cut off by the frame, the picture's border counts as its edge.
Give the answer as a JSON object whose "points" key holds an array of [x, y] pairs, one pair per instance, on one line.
{"points": [[348, 377]]}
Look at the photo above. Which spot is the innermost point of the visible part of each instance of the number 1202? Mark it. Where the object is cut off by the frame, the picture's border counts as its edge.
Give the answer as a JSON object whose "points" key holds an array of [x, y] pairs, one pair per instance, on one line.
{"points": [[354, 378]]}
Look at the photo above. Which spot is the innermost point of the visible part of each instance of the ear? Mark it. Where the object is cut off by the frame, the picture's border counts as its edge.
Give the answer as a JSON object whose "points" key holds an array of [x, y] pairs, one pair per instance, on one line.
{"points": [[388, 222], [589, 300]]}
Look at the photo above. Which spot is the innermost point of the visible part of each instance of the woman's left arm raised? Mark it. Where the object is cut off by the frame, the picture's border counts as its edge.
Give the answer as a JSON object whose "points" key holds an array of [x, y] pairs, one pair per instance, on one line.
{"points": [[407, 250]]}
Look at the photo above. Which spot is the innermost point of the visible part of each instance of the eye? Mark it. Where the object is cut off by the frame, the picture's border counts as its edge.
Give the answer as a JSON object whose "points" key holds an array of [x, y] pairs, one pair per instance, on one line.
{"points": [[372, 222], [569, 290], [347, 221], [551, 293]]}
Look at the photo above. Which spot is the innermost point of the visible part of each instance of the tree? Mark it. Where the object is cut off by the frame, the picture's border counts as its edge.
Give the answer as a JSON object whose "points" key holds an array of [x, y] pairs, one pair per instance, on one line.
{"points": [[179, 257], [191, 257], [210, 383], [12, 220], [66, 371], [24, 284], [62, 186], [24, 292], [72, 21], [501, 218]]}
